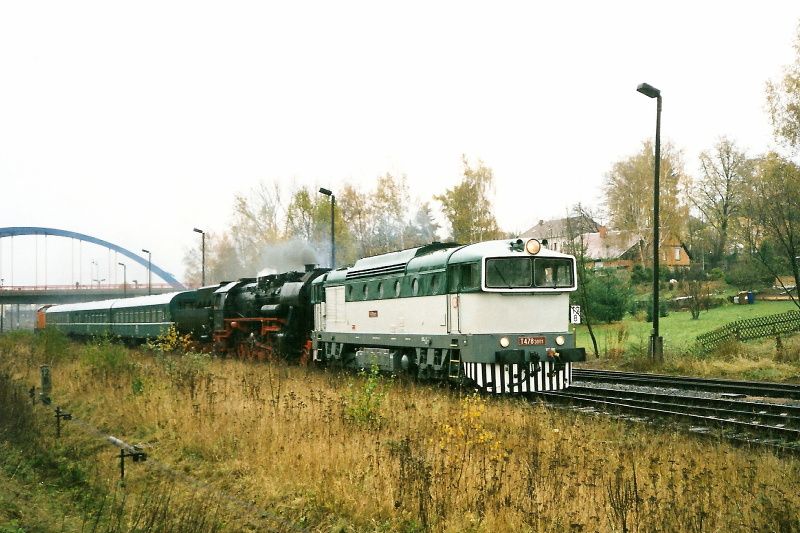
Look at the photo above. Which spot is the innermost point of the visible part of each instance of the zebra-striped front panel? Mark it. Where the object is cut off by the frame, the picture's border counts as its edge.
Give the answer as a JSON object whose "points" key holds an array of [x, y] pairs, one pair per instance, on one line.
{"points": [[518, 378]]}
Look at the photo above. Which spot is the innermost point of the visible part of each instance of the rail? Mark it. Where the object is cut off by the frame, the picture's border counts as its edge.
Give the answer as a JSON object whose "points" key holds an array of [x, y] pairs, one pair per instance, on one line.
{"points": [[776, 426], [750, 388]]}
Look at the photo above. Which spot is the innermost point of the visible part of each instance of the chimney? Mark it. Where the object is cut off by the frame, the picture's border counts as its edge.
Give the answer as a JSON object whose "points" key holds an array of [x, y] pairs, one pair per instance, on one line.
{"points": [[603, 231]]}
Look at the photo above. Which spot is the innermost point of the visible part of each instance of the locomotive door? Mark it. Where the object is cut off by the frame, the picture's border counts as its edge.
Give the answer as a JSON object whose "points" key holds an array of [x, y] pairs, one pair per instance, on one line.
{"points": [[453, 313]]}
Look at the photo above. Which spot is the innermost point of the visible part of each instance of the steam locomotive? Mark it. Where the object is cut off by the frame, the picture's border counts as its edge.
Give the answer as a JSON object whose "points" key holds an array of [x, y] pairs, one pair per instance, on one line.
{"points": [[494, 315]]}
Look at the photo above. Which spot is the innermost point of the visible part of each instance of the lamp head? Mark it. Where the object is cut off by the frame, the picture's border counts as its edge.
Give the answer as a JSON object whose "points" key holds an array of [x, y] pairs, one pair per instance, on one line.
{"points": [[146, 251], [326, 192], [198, 230], [648, 90]]}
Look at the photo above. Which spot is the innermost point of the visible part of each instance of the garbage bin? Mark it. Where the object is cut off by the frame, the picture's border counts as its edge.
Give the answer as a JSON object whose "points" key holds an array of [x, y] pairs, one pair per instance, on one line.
{"points": [[751, 297], [742, 297]]}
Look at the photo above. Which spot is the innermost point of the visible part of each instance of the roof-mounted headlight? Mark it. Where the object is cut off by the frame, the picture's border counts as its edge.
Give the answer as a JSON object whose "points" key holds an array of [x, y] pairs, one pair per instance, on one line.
{"points": [[533, 246]]}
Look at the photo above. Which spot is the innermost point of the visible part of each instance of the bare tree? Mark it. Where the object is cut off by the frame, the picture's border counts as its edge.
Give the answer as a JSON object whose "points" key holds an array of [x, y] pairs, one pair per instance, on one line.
{"points": [[718, 194], [783, 101], [257, 221], [629, 195], [222, 261], [578, 248], [468, 208], [773, 201]]}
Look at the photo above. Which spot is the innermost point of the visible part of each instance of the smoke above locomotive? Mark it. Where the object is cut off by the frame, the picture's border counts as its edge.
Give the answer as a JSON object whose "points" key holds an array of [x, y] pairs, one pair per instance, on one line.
{"points": [[288, 257]]}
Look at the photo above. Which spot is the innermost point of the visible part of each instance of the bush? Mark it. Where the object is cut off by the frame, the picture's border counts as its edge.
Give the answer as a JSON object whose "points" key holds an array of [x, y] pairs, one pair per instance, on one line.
{"points": [[363, 404], [52, 344], [608, 297], [748, 274], [107, 358], [716, 274], [663, 308], [641, 274]]}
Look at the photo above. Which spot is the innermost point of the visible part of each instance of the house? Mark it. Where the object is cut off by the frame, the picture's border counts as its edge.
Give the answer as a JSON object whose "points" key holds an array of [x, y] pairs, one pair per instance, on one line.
{"points": [[559, 233], [623, 249]]}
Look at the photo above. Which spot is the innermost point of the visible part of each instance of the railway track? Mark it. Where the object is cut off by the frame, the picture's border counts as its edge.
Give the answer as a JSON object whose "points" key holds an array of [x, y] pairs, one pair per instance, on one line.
{"points": [[750, 421], [726, 386]]}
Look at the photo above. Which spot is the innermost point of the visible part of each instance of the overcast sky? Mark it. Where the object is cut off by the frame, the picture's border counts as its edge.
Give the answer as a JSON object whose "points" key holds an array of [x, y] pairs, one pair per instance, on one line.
{"points": [[135, 122]]}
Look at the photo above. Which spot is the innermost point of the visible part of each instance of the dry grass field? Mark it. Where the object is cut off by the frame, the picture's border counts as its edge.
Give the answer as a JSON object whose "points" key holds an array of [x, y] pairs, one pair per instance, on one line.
{"points": [[238, 446]]}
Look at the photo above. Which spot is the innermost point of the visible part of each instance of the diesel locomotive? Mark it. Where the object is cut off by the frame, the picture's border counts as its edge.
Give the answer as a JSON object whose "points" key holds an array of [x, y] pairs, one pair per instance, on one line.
{"points": [[493, 315]]}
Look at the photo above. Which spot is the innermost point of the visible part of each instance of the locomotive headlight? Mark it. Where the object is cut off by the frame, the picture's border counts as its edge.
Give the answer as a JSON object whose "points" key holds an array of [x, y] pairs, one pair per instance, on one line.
{"points": [[560, 340], [504, 342], [533, 246]]}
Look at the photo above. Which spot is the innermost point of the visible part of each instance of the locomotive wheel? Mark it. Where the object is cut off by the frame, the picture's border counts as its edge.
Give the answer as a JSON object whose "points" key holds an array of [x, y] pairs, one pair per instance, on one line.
{"points": [[244, 350], [245, 346], [305, 353], [264, 352]]}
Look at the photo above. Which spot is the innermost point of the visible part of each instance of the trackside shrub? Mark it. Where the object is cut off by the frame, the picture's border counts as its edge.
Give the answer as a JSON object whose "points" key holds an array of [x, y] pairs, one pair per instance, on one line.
{"points": [[363, 404], [608, 296]]}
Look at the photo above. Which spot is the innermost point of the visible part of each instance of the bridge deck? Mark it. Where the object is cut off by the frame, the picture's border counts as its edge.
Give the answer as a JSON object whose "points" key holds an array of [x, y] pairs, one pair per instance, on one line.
{"points": [[63, 294]]}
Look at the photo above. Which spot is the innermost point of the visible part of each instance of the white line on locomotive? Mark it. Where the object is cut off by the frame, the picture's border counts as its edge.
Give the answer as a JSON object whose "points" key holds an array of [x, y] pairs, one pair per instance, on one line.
{"points": [[493, 315]]}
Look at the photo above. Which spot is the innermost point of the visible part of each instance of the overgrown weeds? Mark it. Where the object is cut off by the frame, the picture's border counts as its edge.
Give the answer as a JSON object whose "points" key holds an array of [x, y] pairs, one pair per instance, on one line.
{"points": [[363, 403], [330, 451]]}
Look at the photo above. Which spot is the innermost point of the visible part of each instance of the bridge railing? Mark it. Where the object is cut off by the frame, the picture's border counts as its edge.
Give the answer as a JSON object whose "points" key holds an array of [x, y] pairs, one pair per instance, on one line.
{"points": [[81, 287]]}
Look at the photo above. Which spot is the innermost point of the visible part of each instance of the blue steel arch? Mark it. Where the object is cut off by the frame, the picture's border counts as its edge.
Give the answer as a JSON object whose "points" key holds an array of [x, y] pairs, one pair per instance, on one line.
{"points": [[15, 231]]}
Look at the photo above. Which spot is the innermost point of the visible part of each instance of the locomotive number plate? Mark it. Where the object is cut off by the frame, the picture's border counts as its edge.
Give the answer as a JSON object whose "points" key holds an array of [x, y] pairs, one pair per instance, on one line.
{"points": [[531, 341]]}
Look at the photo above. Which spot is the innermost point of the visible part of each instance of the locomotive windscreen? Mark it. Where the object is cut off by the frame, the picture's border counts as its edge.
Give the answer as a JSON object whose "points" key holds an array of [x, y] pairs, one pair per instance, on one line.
{"points": [[527, 272]]}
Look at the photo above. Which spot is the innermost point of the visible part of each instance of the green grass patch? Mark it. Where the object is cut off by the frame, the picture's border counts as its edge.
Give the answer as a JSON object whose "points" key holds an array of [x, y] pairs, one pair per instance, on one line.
{"points": [[678, 328], [624, 345]]}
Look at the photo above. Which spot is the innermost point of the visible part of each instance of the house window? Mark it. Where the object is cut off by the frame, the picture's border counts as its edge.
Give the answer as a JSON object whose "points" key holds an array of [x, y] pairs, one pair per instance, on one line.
{"points": [[677, 254]]}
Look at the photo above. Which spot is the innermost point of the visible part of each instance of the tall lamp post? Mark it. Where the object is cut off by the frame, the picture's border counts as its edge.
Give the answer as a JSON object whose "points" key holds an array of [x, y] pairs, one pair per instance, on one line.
{"points": [[656, 347], [149, 284], [327, 192], [203, 260], [124, 279]]}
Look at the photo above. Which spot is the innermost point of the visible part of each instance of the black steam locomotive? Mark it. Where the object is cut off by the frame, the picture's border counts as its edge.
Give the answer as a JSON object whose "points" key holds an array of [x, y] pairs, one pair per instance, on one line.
{"points": [[261, 318]]}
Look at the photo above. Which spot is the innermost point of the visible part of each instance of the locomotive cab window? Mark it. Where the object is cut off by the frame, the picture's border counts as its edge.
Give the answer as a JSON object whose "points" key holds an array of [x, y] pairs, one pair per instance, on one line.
{"points": [[509, 273], [525, 272], [552, 272], [463, 277]]}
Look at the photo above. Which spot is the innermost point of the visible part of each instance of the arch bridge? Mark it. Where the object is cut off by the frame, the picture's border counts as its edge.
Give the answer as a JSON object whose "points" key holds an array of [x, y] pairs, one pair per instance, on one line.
{"points": [[64, 294]]}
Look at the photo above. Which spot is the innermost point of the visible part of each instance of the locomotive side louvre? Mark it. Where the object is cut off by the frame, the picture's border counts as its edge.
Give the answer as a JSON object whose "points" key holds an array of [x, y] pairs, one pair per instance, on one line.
{"points": [[434, 312]]}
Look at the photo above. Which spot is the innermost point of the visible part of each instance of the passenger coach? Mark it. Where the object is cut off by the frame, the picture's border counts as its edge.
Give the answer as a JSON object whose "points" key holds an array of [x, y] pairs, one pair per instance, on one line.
{"points": [[135, 319], [494, 314]]}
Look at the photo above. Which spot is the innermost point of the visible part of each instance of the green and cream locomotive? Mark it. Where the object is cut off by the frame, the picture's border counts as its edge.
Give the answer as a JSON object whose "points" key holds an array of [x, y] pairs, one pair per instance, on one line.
{"points": [[494, 315]]}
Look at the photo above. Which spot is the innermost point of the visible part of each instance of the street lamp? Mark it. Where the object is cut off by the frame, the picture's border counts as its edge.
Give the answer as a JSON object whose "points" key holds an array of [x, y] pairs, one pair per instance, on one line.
{"points": [[327, 192], [656, 347], [203, 245], [124, 280], [149, 284]]}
